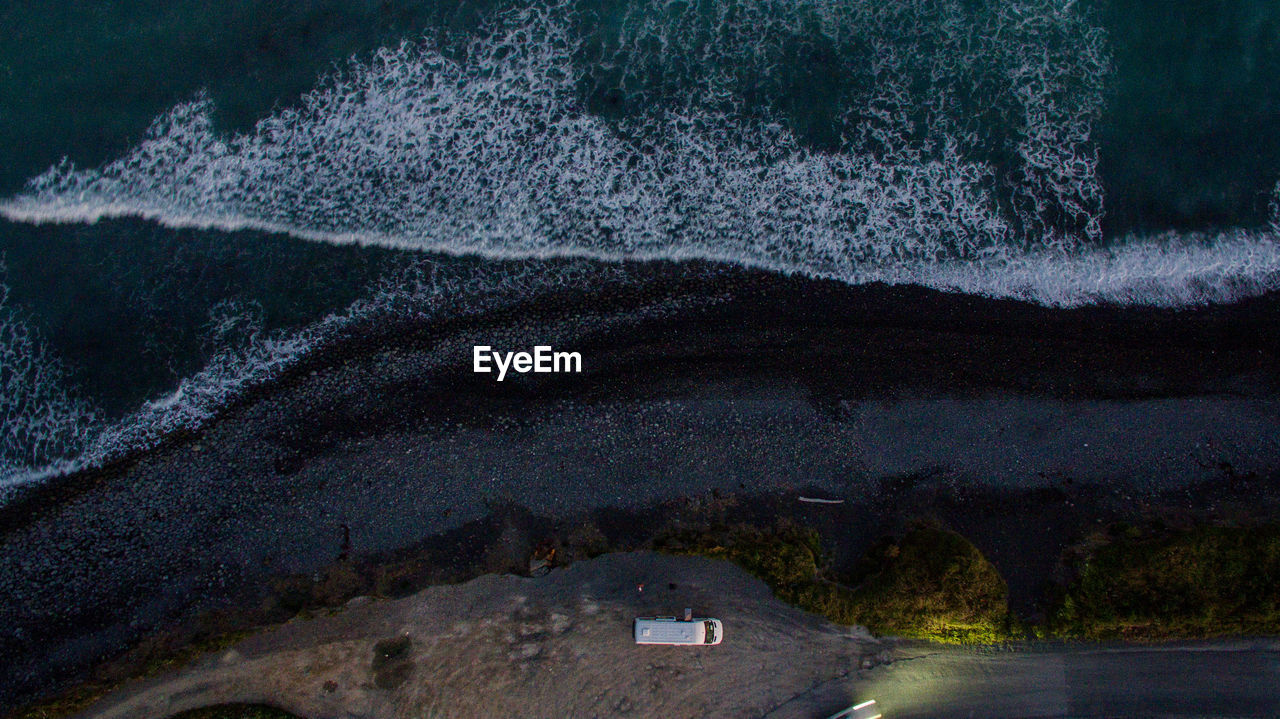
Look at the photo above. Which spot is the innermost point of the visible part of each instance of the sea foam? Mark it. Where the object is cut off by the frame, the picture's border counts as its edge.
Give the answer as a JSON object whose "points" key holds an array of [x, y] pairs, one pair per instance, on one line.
{"points": [[486, 147], [497, 146], [41, 422], [48, 432]]}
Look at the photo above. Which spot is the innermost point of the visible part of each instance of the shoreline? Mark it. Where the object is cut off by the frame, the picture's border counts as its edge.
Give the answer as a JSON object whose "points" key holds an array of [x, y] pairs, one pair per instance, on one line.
{"points": [[388, 434], [959, 345]]}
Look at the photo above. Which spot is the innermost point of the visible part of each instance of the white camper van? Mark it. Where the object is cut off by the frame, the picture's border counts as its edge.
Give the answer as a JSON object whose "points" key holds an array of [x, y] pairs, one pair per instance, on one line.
{"points": [[669, 630]]}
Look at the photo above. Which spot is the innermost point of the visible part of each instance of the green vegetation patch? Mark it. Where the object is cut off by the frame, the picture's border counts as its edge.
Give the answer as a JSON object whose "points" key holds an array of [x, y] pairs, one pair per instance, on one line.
{"points": [[236, 711], [1199, 583], [932, 584]]}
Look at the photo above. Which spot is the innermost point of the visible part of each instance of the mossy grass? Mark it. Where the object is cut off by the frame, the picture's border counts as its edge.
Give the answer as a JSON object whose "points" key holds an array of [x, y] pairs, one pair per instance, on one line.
{"points": [[932, 584], [929, 584], [1173, 584]]}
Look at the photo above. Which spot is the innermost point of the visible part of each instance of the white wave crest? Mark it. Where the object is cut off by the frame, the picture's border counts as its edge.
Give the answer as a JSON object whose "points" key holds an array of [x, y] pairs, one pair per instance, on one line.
{"points": [[1170, 270], [46, 414], [41, 422], [487, 149]]}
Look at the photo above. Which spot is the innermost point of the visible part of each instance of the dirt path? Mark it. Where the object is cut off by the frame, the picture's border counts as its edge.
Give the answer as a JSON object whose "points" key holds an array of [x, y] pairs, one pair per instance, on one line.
{"points": [[557, 646], [560, 646]]}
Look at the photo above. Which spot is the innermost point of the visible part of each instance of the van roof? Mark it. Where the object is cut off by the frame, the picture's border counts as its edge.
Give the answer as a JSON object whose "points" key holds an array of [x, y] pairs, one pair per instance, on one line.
{"points": [[668, 631]]}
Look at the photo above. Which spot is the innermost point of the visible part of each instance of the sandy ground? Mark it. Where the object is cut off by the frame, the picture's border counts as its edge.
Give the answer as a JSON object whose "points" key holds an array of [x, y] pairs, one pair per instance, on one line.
{"points": [[556, 646], [560, 646]]}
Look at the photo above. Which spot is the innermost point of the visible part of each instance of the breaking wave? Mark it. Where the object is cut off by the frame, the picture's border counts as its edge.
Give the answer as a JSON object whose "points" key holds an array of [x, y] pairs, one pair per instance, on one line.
{"points": [[952, 148], [46, 432], [488, 146], [40, 421]]}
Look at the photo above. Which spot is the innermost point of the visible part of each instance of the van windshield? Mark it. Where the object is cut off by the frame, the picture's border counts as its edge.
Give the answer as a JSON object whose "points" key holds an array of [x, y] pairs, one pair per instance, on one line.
{"points": [[711, 632]]}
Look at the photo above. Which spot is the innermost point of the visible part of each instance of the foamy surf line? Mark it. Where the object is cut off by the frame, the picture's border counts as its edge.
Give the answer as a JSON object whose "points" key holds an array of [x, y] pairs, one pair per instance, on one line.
{"points": [[486, 150], [48, 434], [1168, 271]]}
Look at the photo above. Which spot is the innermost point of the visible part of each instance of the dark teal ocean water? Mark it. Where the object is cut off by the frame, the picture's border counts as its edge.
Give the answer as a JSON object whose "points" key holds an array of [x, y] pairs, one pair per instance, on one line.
{"points": [[187, 189]]}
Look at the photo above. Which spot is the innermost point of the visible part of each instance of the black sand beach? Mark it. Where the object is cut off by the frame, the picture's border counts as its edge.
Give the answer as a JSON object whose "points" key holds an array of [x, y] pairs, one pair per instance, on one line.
{"points": [[247, 250], [1022, 426]]}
